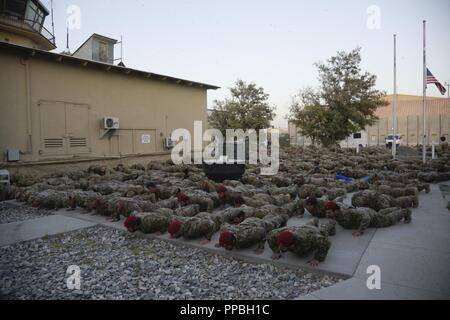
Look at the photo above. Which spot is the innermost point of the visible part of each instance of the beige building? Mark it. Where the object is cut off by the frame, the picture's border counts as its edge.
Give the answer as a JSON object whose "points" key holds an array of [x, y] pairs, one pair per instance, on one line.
{"points": [[409, 118], [58, 106]]}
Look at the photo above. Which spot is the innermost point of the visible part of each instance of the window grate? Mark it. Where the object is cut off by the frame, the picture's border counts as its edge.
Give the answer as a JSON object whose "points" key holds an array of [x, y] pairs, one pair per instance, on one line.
{"points": [[53, 143], [78, 142]]}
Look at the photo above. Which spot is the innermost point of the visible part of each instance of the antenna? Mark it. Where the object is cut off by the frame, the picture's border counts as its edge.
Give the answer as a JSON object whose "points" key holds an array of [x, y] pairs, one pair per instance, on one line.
{"points": [[67, 43], [53, 21], [121, 51]]}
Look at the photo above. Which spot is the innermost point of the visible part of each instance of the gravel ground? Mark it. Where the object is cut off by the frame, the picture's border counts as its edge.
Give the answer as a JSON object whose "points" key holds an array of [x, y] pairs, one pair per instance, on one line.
{"points": [[117, 265], [10, 213]]}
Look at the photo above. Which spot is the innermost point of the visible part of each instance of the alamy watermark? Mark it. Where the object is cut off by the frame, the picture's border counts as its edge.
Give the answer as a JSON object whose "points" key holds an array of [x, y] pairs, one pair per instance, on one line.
{"points": [[374, 280], [374, 17], [74, 280], [263, 147], [74, 17]]}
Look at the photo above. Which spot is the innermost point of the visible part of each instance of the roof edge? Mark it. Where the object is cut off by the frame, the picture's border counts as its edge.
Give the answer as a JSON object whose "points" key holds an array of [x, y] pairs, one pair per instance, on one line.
{"points": [[60, 58]]}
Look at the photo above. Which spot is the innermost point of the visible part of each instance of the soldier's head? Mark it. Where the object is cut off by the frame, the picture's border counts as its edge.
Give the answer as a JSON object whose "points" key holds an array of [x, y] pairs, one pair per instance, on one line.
{"points": [[36, 203], [152, 188], [175, 229], [239, 218], [92, 204], [285, 241], [221, 190], [239, 202], [182, 197], [310, 203], [332, 209], [120, 208], [227, 240], [132, 223]]}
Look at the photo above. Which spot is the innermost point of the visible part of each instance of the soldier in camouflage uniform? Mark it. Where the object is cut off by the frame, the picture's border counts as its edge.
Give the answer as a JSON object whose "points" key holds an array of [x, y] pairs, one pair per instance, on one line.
{"points": [[377, 201], [149, 223], [188, 211], [250, 232], [206, 203], [304, 240], [316, 207], [204, 225], [362, 218], [50, 199], [79, 198]]}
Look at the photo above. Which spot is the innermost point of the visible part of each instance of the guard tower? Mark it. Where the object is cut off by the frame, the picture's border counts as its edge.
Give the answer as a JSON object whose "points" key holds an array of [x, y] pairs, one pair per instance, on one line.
{"points": [[22, 23]]}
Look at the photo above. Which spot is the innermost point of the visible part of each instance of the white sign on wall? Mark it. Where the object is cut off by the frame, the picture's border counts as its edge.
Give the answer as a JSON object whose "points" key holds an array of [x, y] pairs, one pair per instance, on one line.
{"points": [[146, 139]]}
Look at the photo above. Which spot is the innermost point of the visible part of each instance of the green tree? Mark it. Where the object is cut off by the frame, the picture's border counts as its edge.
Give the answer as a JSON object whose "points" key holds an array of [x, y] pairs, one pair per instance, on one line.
{"points": [[344, 103], [247, 108]]}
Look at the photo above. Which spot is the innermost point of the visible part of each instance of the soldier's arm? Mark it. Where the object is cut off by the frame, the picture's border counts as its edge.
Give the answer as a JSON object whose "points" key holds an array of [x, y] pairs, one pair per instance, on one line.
{"points": [[272, 241], [365, 223], [322, 245]]}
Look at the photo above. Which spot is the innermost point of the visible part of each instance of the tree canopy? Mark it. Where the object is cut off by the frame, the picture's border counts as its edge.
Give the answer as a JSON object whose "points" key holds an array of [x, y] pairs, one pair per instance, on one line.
{"points": [[247, 108], [344, 103]]}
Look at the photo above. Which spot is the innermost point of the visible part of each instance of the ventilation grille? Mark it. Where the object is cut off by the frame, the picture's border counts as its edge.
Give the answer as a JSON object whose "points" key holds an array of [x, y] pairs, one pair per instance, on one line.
{"points": [[53, 143], [78, 142]]}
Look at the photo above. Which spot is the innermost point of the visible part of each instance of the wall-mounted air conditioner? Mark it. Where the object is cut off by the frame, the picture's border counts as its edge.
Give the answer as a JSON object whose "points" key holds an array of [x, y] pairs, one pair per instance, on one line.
{"points": [[169, 143], [111, 123]]}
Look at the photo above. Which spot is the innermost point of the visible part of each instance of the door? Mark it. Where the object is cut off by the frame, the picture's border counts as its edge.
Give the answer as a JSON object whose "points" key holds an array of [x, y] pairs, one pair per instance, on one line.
{"points": [[64, 128], [52, 117], [77, 120]]}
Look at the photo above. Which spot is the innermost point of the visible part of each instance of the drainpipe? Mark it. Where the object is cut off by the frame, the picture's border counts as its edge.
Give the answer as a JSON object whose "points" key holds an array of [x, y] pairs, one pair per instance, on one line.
{"points": [[24, 62]]}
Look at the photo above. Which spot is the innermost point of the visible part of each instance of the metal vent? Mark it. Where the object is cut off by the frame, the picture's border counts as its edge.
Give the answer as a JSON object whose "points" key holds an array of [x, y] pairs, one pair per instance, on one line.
{"points": [[53, 143], [78, 142]]}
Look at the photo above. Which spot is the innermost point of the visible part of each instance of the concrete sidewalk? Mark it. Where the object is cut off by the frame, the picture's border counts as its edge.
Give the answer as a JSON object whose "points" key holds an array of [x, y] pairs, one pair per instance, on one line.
{"points": [[38, 228], [414, 259]]}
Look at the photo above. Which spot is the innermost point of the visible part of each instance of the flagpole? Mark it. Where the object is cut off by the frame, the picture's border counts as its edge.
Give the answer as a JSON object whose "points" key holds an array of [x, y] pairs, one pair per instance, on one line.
{"points": [[394, 119], [424, 141]]}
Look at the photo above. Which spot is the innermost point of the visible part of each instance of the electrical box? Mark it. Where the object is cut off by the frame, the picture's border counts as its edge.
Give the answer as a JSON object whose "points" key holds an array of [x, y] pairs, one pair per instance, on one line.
{"points": [[5, 177], [111, 123], [12, 155]]}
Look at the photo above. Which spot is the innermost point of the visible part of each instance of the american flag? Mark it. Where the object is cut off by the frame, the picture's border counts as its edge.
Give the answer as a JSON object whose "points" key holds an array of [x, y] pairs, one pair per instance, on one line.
{"points": [[432, 80]]}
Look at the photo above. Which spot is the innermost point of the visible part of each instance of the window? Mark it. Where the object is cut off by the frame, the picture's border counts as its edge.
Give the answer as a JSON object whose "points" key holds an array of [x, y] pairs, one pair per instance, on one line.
{"points": [[34, 16], [103, 52], [357, 135]]}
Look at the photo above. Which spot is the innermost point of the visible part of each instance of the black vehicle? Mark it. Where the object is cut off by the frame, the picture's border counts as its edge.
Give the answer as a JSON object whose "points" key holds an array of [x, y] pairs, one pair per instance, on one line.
{"points": [[232, 168]]}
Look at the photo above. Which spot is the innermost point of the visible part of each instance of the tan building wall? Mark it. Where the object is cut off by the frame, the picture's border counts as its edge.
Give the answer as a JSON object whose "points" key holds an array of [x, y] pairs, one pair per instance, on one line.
{"points": [[409, 124], [409, 121], [54, 110]]}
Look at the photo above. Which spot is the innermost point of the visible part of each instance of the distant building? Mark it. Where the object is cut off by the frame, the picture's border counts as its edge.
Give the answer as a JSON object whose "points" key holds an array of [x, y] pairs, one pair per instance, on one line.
{"points": [[409, 118], [59, 107]]}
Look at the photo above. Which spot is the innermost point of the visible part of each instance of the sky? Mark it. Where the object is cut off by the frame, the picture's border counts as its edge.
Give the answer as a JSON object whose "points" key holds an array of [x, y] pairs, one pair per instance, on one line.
{"points": [[272, 43]]}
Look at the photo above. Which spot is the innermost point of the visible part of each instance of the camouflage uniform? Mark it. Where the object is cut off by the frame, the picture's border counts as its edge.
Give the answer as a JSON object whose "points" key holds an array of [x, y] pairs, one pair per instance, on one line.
{"points": [[362, 218], [309, 238], [248, 233], [79, 198], [377, 201], [232, 213], [199, 227], [318, 210], [188, 211], [309, 190], [49, 199], [155, 222]]}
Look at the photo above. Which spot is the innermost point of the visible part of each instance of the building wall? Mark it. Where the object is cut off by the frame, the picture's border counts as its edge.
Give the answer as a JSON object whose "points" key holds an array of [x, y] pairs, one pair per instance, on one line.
{"points": [[409, 123], [43, 102]]}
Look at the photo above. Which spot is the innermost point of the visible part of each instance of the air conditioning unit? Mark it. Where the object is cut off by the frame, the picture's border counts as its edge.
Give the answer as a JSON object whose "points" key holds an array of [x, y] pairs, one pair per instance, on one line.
{"points": [[111, 123], [169, 143]]}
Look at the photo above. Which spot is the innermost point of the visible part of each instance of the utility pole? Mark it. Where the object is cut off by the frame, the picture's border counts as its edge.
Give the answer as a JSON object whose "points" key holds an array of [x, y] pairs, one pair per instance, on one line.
{"points": [[447, 84], [424, 103], [394, 104]]}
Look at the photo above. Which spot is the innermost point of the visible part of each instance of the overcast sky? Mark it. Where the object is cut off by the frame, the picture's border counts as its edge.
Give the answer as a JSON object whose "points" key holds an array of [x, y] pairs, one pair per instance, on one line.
{"points": [[272, 43]]}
